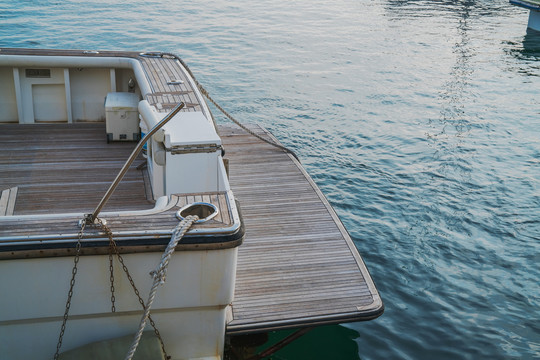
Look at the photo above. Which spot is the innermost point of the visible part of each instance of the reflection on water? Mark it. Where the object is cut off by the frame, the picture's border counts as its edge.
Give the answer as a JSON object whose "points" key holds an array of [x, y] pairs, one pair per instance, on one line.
{"points": [[417, 9], [530, 46], [458, 86], [527, 51]]}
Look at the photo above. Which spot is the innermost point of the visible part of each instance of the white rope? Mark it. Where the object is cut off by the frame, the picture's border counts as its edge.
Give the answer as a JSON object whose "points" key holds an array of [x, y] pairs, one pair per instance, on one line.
{"points": [[159, 276]]}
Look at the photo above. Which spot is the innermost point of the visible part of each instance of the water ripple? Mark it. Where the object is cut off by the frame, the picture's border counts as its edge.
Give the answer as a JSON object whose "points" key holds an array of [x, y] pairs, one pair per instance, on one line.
{"points": [[418, 120]]}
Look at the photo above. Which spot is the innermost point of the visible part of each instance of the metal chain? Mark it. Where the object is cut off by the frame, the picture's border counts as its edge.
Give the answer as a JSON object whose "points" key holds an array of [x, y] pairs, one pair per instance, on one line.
{"points": [[112, 244], [112, 247], [70, 292], [111, 277]]}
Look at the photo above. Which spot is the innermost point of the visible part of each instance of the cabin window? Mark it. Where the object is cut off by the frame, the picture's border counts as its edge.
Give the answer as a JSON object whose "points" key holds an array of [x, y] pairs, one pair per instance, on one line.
{"points": [[38, 73]]}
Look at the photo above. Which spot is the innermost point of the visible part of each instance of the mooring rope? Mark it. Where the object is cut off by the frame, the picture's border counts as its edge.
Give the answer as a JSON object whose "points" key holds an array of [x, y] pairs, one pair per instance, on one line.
{"points": [[159, 276], [229, 116]]}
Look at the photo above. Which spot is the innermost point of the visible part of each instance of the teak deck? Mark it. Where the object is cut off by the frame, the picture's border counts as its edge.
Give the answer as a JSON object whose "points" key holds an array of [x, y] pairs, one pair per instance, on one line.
{"points": [[297, 266], [170, 85], [67, 168]]}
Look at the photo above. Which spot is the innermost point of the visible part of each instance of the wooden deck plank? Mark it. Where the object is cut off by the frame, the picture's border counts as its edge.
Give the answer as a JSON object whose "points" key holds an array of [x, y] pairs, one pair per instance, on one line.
{"points": [[150, 75], [11, 229], [72, 174], [175, 70], [162, 70], [297, 266], [160, 75]]}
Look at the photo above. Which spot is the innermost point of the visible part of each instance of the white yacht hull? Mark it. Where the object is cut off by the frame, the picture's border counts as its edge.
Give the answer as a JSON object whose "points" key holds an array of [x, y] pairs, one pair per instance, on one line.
{"points": [[56, 97], [189, 310]]}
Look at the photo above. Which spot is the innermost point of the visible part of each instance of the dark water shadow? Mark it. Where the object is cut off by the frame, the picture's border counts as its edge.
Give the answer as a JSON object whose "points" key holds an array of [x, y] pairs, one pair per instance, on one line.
{"points": [[321, 343], [531, 45], [527, 52]]}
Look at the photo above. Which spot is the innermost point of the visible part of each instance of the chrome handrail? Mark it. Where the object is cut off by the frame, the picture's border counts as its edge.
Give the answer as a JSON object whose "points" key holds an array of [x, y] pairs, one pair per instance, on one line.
{"points": [[91, 218]]}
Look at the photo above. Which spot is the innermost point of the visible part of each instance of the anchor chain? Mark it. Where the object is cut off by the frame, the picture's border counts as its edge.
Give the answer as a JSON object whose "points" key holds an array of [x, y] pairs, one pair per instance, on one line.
{"points": [[111, 276], [112, 249], [70, 292]]}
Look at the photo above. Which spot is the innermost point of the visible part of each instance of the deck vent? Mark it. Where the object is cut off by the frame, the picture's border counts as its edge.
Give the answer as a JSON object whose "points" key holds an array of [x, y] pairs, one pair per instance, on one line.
{"points": [[38, 73], [205, 211]]}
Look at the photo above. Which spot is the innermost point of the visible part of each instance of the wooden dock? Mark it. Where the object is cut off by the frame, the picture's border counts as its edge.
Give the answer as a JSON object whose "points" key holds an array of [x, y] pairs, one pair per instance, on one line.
{"points": [[298, 266]]}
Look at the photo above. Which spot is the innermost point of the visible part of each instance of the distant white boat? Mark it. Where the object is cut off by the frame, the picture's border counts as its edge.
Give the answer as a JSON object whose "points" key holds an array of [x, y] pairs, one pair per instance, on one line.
{"points": [[534, 13]]}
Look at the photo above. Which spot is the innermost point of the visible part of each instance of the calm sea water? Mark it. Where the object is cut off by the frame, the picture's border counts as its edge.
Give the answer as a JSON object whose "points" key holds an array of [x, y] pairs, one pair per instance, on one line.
{"points": [[419, 120]]}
